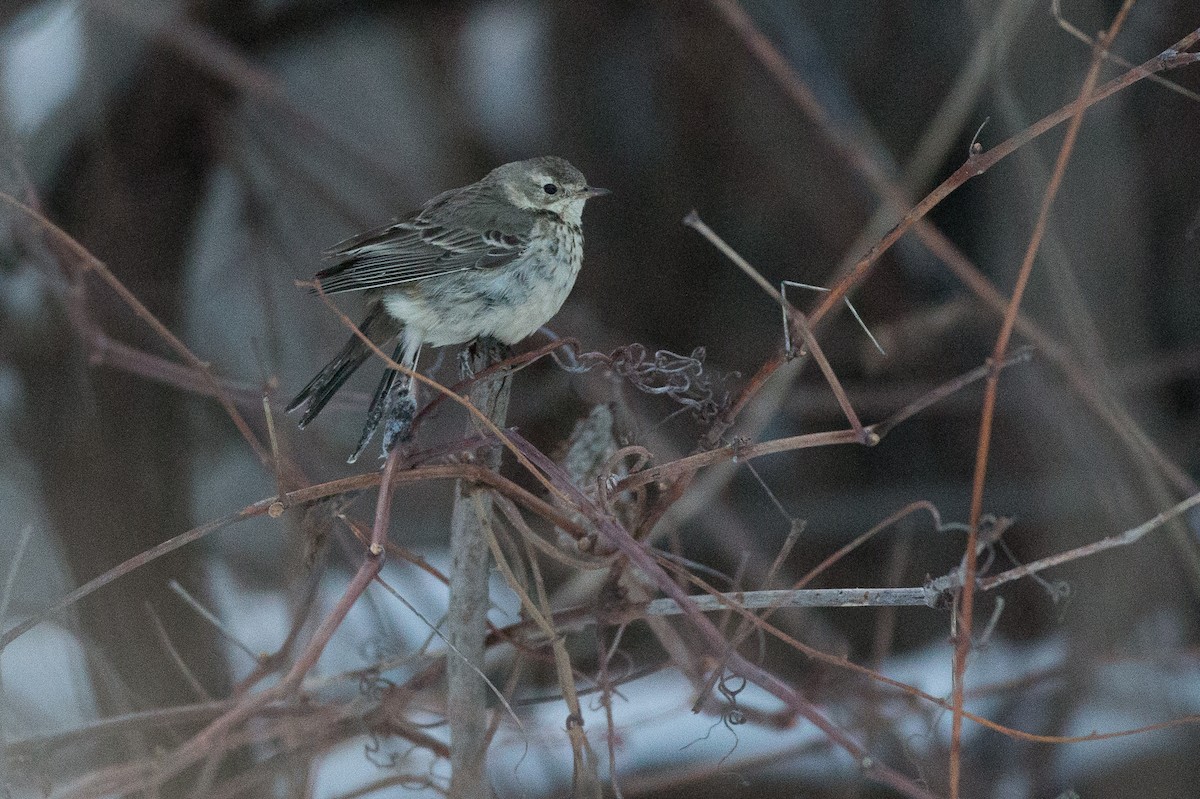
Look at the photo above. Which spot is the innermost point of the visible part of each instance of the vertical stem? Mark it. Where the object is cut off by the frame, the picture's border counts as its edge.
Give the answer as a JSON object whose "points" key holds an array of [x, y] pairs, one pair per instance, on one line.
{"points": [[466, 701], [966, 604]]}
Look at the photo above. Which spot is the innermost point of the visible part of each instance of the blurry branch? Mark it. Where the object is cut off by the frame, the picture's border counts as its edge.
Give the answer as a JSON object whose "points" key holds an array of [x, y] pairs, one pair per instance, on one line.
{"points": [[1108, 55], [188, 675], [221, 60], [963, 644], [105, 351], [14, 568], [961, 101], [88, 262], [212, 619], [6, 594], [142, 558], [1106, 408]]}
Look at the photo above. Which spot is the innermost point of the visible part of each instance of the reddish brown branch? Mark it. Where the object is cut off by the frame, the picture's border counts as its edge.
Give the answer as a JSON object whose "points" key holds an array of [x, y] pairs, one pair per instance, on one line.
{"points": [[962, 648]]}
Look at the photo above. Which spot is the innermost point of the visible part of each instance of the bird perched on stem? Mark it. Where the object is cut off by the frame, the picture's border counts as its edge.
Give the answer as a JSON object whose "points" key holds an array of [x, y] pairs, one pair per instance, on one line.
{"points": [[496, 258]]}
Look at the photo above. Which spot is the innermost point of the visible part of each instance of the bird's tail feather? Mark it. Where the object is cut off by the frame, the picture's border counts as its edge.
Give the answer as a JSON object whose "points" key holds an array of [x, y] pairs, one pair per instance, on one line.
{"points": [[379, 326]]}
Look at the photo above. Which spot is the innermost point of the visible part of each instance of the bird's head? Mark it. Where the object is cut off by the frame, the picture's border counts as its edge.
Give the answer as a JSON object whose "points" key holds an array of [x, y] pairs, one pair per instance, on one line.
{"points": [[548, 183]]}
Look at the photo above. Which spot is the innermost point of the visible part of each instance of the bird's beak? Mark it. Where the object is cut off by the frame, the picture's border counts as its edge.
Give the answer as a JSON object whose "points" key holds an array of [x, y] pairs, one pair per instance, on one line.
{"points": [[591, 191]]}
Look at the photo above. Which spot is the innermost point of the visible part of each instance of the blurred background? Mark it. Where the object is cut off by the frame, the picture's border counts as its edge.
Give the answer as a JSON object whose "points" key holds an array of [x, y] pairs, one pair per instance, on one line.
{"points": [[208, 151]]}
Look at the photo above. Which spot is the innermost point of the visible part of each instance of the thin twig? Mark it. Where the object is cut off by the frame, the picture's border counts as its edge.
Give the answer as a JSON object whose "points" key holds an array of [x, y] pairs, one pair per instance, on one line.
{"points": [[1120, 540], [1114, 58], [190, 676], [91, 263], [14, 567], [211, 618], [795, 319]]}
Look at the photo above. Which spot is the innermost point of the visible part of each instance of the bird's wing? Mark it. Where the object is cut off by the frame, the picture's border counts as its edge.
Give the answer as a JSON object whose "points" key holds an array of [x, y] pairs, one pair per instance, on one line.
{"points": [[428, 244]]}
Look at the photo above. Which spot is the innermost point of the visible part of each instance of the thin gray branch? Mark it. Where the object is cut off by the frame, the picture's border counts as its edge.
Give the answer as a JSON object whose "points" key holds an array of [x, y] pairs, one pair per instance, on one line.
{"points": [[804, 598]]}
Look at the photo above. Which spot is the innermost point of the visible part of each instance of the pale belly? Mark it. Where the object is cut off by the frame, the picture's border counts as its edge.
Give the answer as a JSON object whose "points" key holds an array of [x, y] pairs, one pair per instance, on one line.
{"points": [[509, 304]]}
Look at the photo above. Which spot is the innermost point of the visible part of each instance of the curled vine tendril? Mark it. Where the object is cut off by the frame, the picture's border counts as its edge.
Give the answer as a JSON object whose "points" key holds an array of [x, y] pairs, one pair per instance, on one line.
{"points": [[683, 378]]}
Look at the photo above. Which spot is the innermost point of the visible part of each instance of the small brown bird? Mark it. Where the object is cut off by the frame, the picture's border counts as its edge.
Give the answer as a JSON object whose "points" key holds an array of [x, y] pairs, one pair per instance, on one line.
{"points": [[495, 258]]}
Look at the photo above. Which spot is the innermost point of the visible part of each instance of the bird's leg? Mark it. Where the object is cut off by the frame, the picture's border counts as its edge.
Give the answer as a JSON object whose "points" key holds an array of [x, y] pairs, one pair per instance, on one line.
{"points": [[465, 356], [496, 350], [402, 408], [398, 428]]}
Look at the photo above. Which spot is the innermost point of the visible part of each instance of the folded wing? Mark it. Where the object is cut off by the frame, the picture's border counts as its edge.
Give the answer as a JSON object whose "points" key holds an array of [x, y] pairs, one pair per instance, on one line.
{"points": [[416, 249]]}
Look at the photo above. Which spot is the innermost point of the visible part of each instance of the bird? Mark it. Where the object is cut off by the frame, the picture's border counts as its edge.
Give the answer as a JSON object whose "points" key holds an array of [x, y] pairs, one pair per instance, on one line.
{"points": [[496, 258]]}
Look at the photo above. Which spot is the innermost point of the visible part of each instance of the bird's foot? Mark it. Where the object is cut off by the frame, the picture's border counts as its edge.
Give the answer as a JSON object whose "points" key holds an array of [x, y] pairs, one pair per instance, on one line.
{"points": [[398, 429]]}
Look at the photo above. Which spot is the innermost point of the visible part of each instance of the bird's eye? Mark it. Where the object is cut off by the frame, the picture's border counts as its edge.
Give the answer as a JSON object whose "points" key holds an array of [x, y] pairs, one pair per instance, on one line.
{"points": [[550, 188]]}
